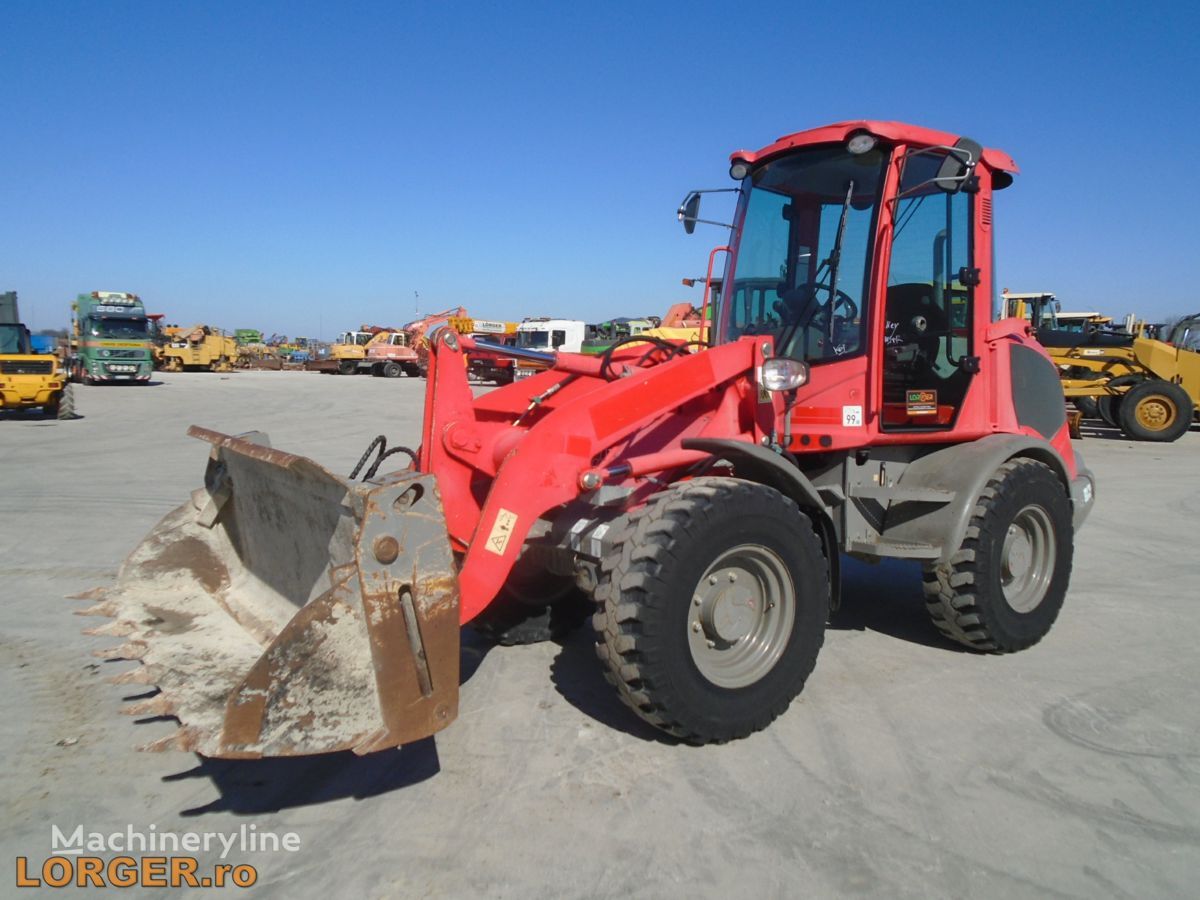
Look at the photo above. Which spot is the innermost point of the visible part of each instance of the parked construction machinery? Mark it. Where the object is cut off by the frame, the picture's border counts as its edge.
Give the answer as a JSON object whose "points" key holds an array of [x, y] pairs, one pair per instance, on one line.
{"points": [[603, 335], [400, 354], [198, 348], [349, 350], [29, 380], [1184, 334], [857, 398], [1147, 388]]}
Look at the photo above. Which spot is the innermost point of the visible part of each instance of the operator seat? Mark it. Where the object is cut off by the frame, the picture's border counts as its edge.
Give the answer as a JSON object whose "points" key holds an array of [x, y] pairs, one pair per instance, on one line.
{"points": [[915, 323], [917, 339]]}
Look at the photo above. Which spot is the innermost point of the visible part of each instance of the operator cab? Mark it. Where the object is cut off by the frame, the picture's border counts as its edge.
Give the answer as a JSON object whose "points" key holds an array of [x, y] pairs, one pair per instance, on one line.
{"points": [[859, 240]]}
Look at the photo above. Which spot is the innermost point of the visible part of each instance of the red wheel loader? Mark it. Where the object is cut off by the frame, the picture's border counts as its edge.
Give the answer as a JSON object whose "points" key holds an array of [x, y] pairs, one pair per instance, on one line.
{"points": [[857, 398]]}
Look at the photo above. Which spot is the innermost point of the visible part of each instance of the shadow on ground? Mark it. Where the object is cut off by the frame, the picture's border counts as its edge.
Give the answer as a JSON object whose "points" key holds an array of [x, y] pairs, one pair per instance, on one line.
{"points": [[887, 598], [578, 676], [270, 785], [1095, 429]]}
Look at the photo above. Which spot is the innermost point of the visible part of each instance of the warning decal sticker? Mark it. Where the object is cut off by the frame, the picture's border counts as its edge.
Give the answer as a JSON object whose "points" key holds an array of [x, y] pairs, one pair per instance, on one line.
{"points": [[497, 541]]}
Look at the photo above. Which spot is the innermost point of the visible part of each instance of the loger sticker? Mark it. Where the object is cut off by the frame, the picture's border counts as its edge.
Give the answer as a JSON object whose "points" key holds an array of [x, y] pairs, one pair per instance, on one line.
{"points": [[852, 416], [497, 541], [921, 403]]}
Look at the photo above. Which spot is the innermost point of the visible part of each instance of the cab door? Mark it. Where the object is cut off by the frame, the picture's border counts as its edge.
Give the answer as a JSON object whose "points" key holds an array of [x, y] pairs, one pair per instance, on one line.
{"points": [[928, 354]]}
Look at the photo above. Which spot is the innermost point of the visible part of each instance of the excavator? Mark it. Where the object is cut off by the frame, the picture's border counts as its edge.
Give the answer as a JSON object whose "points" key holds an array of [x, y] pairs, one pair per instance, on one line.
{"points": [[856, 396], [400, 353], [347, 353]]}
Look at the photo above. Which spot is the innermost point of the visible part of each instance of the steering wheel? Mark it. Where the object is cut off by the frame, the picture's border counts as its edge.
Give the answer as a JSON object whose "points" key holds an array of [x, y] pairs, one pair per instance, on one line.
{"points": [[792, 304]]}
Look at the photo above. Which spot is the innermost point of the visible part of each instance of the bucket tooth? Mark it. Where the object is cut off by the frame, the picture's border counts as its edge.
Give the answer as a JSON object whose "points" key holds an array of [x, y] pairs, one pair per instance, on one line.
{"points": [[128, 650], [108, 608], [181, 739], [118, 628], [139, 675], [93, 594], [159, 705]]}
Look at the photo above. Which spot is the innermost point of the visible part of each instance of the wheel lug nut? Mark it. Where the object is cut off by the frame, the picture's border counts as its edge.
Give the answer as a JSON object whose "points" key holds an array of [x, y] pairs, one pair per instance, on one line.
{"points": [[712, 579], [732, 576], [695, 626], [696, 601], [711, 644]]}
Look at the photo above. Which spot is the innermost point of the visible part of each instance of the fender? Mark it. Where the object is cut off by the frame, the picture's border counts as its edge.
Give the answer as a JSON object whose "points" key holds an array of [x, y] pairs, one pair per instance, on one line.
{"points": [[758, 464], [965, 469]]}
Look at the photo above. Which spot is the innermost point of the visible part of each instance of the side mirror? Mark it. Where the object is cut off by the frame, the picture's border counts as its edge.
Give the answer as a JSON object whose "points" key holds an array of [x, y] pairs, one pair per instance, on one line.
{"points": [[958, 166], [689, 211]]}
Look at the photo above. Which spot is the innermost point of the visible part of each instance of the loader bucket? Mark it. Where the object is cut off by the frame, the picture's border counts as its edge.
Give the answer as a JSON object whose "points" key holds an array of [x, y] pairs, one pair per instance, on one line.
{"points": [[285, 611]]}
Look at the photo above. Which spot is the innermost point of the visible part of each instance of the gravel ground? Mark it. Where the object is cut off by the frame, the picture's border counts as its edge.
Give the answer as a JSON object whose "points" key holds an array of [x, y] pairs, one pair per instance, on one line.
{"points": [[906, 769]]}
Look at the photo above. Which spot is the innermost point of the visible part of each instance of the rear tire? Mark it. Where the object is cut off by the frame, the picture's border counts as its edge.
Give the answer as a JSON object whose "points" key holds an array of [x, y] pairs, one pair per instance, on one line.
{"points": [[1087, 406], [1156, 411], [535, 605], [347, 367], [1004, 587], [391, 370], [1108, 408], [695, 652]]}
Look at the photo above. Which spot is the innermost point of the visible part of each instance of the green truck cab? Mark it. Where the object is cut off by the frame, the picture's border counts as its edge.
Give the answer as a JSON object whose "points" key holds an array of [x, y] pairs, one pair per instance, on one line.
{"points": [[110, 339]]}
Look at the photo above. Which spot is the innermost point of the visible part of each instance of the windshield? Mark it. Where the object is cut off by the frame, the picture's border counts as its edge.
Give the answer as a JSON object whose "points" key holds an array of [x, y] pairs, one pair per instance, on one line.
{"points": [[13, 339], [533, 338], [801, 264], [117, 327]]}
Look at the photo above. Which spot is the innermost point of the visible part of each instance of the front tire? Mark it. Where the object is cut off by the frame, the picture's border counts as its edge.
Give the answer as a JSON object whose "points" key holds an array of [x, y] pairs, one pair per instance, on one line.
{"points": [[347, 367], [1004, 587], [391, 370], [63, 406], [1156, 411], [713, 604]]}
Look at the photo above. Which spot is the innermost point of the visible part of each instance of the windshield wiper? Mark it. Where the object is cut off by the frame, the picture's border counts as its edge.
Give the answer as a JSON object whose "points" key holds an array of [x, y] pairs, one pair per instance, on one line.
{"points": [[835, 255], [831, 263]]}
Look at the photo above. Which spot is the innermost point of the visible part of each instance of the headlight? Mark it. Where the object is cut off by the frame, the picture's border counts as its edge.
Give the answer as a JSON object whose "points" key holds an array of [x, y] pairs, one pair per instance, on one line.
{"points": [[781, 374], [861, 143]]}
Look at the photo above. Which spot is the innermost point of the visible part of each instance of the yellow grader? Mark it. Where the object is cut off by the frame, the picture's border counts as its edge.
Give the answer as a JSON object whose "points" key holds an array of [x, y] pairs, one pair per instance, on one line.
{"points": [[1147, 388]]}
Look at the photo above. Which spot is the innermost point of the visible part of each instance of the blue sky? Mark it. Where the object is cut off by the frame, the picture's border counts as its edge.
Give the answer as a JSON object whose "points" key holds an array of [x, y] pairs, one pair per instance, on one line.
{"points": [[304, 167]]}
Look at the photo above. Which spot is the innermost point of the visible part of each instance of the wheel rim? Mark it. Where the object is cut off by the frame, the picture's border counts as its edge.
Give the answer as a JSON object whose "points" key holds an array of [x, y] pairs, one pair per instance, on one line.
{"points": [[741, 616], [1154, 413], [1027, 559]]}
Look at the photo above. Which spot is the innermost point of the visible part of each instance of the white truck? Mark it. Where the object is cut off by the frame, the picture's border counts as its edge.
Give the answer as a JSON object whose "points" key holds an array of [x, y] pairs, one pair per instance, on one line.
{"points": [[548, 334]]}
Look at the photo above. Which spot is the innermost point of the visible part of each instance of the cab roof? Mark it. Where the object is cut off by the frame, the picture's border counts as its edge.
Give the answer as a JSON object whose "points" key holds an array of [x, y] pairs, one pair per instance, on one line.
{"points": [[892, 132]]}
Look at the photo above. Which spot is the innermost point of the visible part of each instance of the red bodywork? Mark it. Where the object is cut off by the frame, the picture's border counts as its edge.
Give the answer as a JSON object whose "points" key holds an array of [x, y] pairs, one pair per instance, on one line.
{"points": [[498, 474]]}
